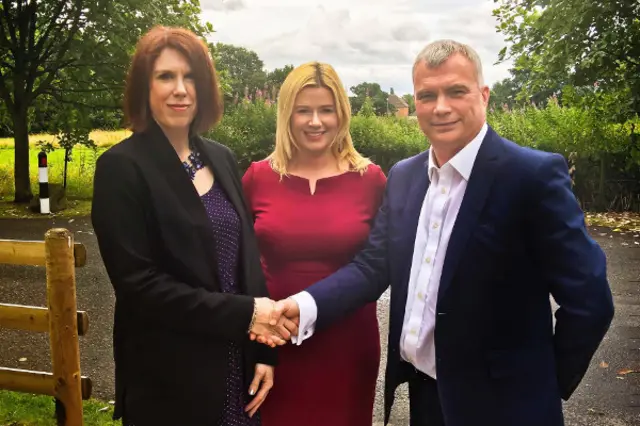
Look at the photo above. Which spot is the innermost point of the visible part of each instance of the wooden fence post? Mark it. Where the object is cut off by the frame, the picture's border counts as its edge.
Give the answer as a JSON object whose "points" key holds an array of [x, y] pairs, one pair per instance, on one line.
{"points": [[63, 326]]}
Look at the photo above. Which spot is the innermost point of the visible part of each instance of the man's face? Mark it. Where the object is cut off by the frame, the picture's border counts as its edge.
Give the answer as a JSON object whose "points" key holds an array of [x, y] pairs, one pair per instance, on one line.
{"points": [[450, 105]]}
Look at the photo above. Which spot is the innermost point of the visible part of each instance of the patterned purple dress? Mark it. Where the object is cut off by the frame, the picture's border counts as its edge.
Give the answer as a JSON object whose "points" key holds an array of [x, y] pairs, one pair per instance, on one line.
{"points": [[226, 229]]}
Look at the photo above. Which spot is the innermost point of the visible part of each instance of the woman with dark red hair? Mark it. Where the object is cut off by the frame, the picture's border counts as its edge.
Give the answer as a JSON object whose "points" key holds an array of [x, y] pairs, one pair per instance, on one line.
{"points": [[179, 248]]}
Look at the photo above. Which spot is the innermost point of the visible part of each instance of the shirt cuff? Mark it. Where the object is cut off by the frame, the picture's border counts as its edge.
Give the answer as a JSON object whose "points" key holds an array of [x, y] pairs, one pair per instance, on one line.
{"points": [[308, 317]]}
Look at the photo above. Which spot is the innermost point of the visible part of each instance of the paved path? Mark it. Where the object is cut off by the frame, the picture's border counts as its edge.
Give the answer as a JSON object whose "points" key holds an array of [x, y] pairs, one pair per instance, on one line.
{"points": [[603, 399]]}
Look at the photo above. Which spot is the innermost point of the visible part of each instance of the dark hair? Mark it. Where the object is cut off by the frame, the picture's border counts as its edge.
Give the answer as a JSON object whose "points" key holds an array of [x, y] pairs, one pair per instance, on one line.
{"points": [[136, 96]]}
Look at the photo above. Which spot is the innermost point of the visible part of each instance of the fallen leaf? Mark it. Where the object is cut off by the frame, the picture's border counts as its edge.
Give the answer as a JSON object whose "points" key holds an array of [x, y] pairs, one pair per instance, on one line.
{"points": [[604, 365], [22, 360], [626, 371], [616, 230], [592, 411]]}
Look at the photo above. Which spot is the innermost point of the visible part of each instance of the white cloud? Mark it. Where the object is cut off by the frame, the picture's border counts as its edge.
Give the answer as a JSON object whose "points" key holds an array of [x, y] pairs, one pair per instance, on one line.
{"points": [[222, 4], [365, 40]]}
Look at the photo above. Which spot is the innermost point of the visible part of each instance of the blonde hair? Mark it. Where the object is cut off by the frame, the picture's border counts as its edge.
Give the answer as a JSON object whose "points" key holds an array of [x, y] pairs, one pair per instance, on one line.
{"points": [[314, 74], [435, 53]]}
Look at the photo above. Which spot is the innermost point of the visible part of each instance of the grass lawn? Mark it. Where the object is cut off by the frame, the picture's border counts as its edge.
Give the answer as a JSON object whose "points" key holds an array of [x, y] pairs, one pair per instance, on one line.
{"points": [[79, 174], [79, 178], [20, 409], [100, 137]]}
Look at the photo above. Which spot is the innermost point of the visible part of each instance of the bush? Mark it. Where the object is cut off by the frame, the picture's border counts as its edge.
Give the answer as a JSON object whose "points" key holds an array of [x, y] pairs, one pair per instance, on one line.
{"points": [[604, 157], [249, 129], [607, 163]]}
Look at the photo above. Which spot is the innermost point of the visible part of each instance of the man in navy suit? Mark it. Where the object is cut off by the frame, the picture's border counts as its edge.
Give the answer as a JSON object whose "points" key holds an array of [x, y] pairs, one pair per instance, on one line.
{"points": [[473, 237]]}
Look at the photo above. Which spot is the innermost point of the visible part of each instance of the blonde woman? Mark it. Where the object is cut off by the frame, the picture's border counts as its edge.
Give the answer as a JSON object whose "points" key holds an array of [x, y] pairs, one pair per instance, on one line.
{"points": [[313, 201]]}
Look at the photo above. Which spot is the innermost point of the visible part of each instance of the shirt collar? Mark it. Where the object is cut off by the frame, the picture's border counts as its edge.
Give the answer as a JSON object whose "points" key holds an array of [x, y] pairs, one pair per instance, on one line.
{"points": [[463, 161]]}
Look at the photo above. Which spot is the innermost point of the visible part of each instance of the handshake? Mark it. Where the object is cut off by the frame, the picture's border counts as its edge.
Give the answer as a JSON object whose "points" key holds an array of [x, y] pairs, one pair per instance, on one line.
{"points": [[274, 322]]}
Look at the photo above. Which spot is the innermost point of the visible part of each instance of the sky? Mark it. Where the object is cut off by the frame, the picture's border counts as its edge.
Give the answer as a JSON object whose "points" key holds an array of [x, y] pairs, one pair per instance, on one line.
{"points": [[365, 40]]}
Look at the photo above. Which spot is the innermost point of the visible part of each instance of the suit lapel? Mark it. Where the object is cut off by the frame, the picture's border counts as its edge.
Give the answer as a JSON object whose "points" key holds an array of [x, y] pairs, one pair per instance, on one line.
{"points": [[176, 177], [182, 187], [411, 215], [476, 193], [409, 218]]}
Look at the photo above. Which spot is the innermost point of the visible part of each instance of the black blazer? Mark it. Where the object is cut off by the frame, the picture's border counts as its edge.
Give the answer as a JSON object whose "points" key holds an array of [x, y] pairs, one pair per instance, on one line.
{"points": [[172, 322]]}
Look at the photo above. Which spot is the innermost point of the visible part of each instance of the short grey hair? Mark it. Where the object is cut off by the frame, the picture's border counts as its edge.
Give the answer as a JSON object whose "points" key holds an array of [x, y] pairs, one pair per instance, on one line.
{"points": [[435, 53]]}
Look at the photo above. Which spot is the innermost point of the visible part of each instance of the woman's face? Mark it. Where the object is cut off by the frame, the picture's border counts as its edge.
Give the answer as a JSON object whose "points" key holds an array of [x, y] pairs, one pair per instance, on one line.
{"points": [[172, 92], [314, 120]]}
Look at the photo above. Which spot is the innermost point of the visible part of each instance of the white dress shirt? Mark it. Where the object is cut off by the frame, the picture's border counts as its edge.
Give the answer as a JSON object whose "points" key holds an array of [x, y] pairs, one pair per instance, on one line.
{"points": [[438, 214]]}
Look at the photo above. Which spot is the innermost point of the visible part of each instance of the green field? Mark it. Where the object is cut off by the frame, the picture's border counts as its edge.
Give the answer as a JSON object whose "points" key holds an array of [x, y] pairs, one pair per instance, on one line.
{"points": [[100, 137], [79, 174]]}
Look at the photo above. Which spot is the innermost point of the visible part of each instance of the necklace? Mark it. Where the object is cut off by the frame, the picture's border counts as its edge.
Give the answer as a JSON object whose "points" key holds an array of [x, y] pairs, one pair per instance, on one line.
{"points": [[193, 163]]}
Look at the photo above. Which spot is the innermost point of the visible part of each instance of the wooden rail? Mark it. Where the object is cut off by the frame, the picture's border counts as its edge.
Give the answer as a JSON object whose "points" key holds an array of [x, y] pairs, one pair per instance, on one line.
{"points": [[60, 256], [37, 382], [15, 252], [35, 319]]}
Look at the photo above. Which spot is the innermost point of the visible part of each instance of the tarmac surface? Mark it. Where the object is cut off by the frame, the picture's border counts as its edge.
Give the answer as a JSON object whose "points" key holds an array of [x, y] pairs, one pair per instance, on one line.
{"points": [[606, 396]]}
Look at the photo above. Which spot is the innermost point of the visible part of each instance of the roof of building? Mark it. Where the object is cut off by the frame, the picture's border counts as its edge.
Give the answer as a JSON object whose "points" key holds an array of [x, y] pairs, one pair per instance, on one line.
{"points": [[397, 101]]}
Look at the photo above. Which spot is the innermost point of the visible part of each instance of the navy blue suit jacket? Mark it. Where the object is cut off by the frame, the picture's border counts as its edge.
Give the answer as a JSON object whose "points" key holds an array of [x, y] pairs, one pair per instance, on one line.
{"points": [[519, 237]]}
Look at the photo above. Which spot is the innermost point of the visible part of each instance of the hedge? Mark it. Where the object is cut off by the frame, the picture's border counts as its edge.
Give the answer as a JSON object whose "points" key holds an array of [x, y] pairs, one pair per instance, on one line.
{"points": [[605, 160]]}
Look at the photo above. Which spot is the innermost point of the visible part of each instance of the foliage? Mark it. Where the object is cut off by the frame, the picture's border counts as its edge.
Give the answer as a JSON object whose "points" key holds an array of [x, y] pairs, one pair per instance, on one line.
{"points": [[575, 42], [79, 173], [249, 129], [411, 101], [73, 53], [366, 110], [72, 128], [243, 68], [276, 77], [377, 95], [606, 177]]}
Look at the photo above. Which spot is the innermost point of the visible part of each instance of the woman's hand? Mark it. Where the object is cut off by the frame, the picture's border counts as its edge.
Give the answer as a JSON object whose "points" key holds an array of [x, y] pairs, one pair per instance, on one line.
{"points": [[287, 314], [260, 387], [272, 330]]}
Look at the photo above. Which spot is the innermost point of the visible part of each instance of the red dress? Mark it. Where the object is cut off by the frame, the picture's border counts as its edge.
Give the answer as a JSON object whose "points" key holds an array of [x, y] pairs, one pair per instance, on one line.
{"points": [[330, 379]]}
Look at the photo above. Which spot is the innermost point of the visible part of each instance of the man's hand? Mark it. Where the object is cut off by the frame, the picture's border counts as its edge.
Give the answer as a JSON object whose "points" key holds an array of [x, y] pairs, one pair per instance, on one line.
{"points": [[270, 326], [287, 316], [288, 308], [261, 384]]}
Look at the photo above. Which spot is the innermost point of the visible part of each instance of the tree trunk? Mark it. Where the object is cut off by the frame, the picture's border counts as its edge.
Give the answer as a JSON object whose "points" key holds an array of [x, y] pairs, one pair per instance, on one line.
{"points": [[23, 192], [67, 153], [601, 204]]}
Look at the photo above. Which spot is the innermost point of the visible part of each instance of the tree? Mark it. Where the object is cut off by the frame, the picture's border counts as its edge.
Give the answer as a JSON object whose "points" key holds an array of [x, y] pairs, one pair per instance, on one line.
{"points": [[410, 100], [577, 42], [243, 68], [378, 97], [76, 52], [276, 77], [367, 108]]}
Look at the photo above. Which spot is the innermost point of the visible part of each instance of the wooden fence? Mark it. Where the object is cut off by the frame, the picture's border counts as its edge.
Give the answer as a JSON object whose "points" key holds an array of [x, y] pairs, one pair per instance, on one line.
{"points": [[60, 256]]}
